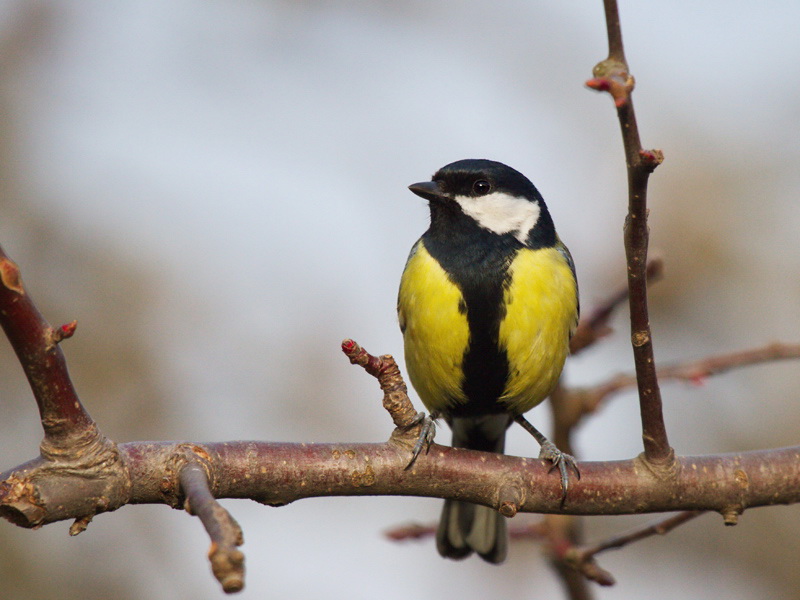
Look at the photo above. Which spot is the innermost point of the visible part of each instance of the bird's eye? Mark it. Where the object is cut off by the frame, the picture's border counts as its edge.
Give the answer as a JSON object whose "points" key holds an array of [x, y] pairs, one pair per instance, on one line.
{"points": [[481, 187]]}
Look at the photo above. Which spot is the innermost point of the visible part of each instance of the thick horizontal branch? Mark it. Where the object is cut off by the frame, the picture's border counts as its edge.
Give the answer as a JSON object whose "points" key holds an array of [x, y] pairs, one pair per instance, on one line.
{"points": [[277, 474]]}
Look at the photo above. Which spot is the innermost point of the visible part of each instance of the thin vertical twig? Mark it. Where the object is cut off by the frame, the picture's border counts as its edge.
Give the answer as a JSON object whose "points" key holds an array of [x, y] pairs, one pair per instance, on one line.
{"points": [[612, 76], [616, 51]]}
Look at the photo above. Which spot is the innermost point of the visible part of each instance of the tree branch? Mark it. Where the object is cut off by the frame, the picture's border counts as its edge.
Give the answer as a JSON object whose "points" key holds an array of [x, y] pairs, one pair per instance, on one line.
{"points": [[36, 345], [613, 76], [277, 474], [227, 561], [83, 473], [583, 559], [72, 444], [620, 541], [614, 31], [588, 400]]}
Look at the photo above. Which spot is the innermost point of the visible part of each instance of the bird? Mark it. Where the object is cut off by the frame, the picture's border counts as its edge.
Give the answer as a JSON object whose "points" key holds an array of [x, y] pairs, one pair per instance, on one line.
{"points": [[488, 302]]}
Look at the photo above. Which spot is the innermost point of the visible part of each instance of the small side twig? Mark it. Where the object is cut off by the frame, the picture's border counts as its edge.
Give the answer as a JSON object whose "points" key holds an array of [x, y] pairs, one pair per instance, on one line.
{"points": [[697, 371], [417, 531], [412, 429], [694, 372], [60, 334], [582, 559], [659, 528], [385, 370], [227, 561], [411, 531]]}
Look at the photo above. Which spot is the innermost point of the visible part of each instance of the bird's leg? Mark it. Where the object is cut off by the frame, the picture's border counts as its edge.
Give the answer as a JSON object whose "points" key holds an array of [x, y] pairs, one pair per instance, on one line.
{"points": [[560, 459], [427, 432]]}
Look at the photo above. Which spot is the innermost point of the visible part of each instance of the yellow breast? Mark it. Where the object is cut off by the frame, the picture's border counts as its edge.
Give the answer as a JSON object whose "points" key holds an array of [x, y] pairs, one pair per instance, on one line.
{"points": [[435, 331], [541, 307], [541, 311]]}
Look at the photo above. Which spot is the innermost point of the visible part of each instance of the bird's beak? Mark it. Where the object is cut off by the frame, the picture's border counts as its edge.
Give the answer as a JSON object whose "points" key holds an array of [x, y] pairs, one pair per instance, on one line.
{"points": [[429, 190]]}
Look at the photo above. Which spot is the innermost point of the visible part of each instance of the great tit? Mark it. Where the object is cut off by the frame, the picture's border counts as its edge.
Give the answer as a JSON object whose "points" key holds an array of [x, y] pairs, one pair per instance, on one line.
{"points": [[488, 302]]}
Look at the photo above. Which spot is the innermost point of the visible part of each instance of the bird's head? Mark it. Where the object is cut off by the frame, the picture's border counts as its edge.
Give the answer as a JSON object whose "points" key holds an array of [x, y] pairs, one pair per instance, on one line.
{"points": [[495, 196]]}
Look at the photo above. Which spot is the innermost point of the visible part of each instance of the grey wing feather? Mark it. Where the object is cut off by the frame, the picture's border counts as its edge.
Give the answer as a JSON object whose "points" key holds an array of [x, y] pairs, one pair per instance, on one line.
{"points": [[568, 257]]}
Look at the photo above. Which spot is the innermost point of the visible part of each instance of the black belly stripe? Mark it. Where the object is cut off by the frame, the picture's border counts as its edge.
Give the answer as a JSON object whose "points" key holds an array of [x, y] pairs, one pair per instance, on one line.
{"points": [[477, 261]]}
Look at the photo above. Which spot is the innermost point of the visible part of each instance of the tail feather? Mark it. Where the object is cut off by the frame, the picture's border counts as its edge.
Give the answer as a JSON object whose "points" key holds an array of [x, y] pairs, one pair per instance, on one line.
{"points": [[450, 539], [465, 528]]}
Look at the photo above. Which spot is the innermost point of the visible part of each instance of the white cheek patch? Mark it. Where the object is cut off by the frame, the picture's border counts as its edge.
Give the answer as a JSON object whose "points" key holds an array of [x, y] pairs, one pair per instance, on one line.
{"points": [[502, 213]]}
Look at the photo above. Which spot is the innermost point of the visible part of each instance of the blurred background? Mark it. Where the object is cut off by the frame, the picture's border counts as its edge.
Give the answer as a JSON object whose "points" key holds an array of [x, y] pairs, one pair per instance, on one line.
{"points": [[217, 192]]}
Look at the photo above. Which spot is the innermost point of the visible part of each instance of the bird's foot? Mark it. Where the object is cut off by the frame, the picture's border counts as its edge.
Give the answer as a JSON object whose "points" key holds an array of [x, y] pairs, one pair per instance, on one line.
{"points": [[560, 459], [427, 431], [563, 461]]}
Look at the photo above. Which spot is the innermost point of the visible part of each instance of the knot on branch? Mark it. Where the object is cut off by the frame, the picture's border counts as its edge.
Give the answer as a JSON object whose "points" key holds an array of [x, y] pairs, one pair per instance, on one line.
{"points": [[79, 448], [587, 566], [663, 469], [612, 76], [395, 394], [511, 498], [75, 477], [184, 455], [650, 159], [10, 276], [228, 567], [730, 515], [20, 503], [595, 326], [55, 336]]}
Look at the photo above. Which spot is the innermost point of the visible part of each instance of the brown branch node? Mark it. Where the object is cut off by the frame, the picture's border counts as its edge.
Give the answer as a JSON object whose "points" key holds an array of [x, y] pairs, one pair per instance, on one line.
{"points": [[731, 514], [511, 497], [77, 480], [651, 159], [20, 503], [183, 455], [10, 276], [80, 525], [55, 336], [588, 567], [612, 76]]}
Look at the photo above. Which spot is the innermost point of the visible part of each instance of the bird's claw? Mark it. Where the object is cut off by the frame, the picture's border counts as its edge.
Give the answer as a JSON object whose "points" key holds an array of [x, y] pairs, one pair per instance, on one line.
{"points": [[427, 431], [563, 461]]}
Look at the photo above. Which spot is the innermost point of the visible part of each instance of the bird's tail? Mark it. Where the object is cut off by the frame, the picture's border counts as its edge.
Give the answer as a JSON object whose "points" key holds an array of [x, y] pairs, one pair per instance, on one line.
{"points": [[465, 528]]}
